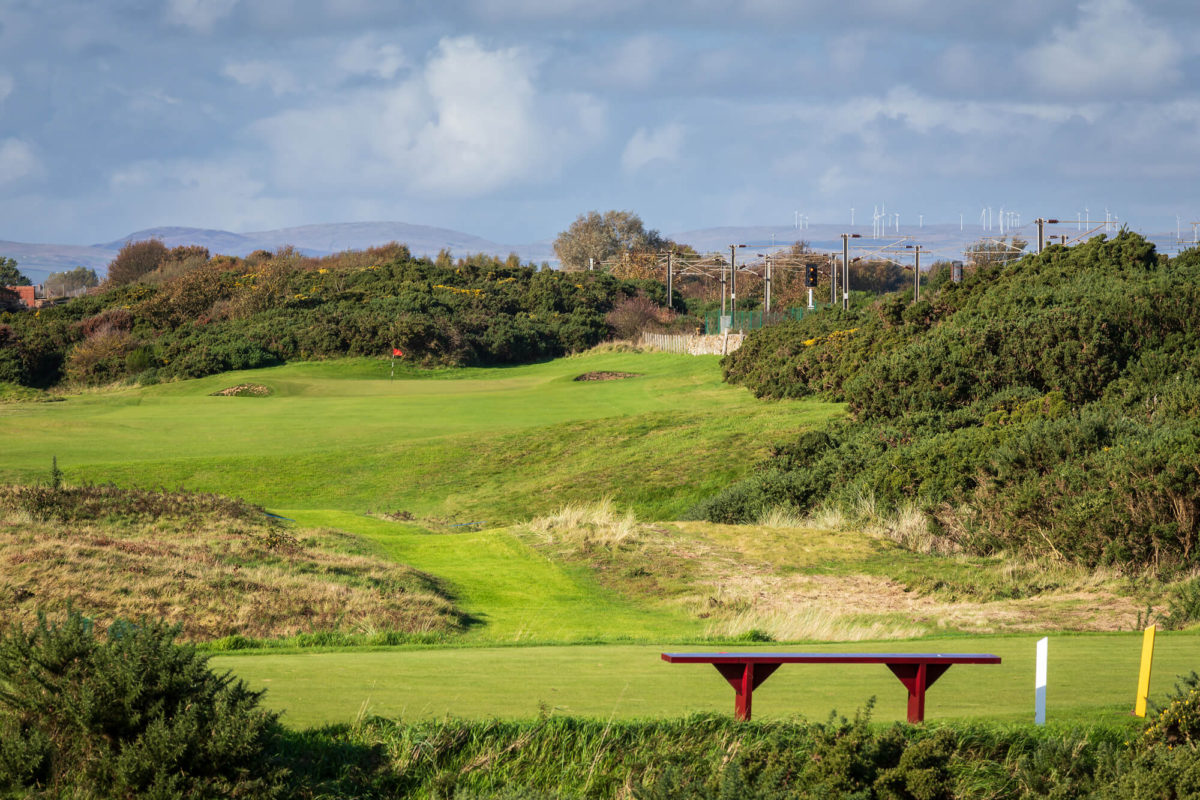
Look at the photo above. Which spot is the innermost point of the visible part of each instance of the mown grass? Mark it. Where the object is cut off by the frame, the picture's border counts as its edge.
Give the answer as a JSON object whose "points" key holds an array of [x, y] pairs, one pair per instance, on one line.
{"points": [[494, 444], [516, 593], [1092, 679]]}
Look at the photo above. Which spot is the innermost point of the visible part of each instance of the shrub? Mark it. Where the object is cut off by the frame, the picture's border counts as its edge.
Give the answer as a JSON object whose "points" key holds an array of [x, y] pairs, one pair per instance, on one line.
{"points": [[129, 714], [134, 260], [1046, 405]]}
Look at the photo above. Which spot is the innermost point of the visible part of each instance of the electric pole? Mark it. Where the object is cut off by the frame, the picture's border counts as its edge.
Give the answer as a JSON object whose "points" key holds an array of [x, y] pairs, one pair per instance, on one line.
{"points": [[767, 288], [1041, 223], [846, 237], [733, 283], [917, 274], [670, 286]]}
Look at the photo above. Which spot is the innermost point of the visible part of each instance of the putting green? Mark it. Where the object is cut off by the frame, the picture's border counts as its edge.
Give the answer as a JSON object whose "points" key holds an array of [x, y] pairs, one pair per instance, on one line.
{"points": [[1091, 679]]}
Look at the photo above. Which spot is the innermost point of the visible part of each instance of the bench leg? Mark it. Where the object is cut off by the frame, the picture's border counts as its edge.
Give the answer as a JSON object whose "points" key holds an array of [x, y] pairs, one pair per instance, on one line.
{"points": [[745, 678], [917, 678]]}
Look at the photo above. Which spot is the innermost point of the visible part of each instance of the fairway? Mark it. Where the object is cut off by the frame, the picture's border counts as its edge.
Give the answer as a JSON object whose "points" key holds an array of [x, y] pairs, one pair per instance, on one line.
{"points": [[502, 443], [440, 469], [516, 594], [1091, 679]]}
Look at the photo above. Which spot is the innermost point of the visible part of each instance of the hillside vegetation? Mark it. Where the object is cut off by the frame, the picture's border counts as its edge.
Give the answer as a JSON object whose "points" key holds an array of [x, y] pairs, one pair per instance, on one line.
{"points": [[193, 315], [1051, 406], [215, 566]]}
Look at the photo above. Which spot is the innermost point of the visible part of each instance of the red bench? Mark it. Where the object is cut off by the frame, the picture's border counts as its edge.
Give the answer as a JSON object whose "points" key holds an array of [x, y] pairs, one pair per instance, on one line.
{"points": [[746, 671]]}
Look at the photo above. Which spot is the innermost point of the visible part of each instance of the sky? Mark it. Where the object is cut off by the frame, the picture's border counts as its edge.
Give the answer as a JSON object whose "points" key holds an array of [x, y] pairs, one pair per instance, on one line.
{"points": [[508, 118]]}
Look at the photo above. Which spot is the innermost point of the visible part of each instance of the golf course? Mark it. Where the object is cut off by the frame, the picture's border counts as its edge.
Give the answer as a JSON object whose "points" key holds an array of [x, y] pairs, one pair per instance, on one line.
{"points": [[546, 510]]}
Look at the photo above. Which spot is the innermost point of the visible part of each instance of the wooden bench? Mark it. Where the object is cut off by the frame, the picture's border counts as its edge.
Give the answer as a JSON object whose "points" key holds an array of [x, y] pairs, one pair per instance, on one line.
{"points": [[746, 671]]}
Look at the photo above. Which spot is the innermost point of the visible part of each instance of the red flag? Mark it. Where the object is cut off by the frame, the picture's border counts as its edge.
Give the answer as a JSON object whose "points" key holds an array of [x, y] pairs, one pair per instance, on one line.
{"points": [[396, 351]]}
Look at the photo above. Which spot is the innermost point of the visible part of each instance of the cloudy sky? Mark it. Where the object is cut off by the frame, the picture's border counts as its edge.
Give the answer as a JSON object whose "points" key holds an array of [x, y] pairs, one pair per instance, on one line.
{"points": [[507, 118]]}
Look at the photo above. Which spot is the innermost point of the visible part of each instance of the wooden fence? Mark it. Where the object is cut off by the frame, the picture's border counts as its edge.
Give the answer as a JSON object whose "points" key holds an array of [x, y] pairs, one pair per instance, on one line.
{"points": [[691, 344]]}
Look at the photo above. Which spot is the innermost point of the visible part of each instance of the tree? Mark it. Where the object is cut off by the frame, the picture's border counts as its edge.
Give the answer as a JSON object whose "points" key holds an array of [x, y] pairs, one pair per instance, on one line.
{"points": [[594, 237], [136, 259], [10, 275], [64, 283], [987, 252]]}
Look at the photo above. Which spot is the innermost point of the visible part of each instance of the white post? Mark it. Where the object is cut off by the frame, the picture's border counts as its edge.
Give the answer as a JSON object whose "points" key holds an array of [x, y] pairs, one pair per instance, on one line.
{"points": [[1039, 682]]}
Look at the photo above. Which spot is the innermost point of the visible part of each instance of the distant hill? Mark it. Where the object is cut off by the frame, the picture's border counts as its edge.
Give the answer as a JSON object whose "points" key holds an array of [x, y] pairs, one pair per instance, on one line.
{"points": [[38, 260]]}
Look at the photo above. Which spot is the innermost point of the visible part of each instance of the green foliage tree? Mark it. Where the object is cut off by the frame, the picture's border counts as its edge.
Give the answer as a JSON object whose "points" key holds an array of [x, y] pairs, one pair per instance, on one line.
{"points": [[595, 237], [136, 259], [131, 714], [995, 251], [63, 283], [10, 275]]}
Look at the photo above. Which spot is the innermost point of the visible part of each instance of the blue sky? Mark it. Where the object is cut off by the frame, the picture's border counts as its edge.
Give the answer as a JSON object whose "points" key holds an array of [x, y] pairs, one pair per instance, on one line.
{"points": [[508, 119]]}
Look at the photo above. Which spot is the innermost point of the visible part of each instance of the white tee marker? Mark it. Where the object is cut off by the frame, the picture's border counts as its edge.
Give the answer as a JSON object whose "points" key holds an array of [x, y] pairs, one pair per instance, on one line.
{"points": [[1039, 682]]}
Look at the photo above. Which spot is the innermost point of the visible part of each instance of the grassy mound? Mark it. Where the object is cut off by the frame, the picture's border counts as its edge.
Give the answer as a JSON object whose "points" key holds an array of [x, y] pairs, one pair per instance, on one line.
{"points": [[217, 567], [791, 579], [1050, 406]]}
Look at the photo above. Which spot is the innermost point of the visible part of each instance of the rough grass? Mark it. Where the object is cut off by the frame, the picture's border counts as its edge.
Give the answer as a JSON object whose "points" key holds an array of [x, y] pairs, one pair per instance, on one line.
{"points": [[793, 578], [710, 756], [216, 566], [16, 393]]}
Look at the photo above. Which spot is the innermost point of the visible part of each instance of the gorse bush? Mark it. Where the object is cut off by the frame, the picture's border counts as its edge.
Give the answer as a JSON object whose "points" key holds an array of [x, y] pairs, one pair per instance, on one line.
{"points": [[204, 316], [128, 715], [1050, 405]]}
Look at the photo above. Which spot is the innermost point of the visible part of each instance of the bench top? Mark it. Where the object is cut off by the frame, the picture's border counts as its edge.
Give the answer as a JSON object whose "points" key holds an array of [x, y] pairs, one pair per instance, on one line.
{"points": [[831, 658]]}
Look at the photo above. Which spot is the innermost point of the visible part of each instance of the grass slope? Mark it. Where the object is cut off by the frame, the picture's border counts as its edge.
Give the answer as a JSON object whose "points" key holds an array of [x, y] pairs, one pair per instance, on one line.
{"points": [[502, 443], [216, 567], [518, 593]]}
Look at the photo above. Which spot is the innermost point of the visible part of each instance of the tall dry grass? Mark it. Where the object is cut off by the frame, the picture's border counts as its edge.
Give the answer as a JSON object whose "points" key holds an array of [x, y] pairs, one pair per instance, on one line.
{"points": [[808, 624], [205, 562], [589, 525]]}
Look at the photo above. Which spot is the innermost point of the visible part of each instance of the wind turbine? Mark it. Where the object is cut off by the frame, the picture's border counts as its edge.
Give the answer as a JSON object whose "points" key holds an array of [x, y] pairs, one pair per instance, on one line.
{"points": [[1001, 216]]}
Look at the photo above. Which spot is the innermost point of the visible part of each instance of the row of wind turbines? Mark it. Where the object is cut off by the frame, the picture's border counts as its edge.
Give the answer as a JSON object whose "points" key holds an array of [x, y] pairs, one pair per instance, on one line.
{"points": [[1002, 221]]}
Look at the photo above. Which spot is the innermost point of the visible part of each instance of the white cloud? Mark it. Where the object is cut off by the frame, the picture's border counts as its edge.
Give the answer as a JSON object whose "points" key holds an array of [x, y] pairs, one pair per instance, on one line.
{"points": [[367, 55], [6, 86], [262, 74], [636, 62], [1113, 49], [219, 193], [17, 160], [199, 15], [472, 121], [648, 146]]}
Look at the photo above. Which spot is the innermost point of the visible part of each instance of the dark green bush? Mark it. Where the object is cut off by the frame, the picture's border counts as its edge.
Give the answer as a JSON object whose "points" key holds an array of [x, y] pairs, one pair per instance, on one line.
{"points": [[129, 714], [1047, 405], [233, 314]]}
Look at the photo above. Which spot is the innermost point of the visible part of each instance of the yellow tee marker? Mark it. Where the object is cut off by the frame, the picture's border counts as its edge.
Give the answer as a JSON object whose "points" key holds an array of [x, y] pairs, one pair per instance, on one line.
{"points": [[1143, 691]]}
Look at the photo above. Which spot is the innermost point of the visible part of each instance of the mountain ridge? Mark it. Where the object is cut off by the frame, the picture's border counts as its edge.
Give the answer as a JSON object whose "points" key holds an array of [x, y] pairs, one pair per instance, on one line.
{"points": [[37, 260]]}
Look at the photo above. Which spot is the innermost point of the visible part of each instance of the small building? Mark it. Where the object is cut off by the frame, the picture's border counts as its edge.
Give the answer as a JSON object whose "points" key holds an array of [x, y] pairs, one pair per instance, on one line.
{"points": [[30, 296]]}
